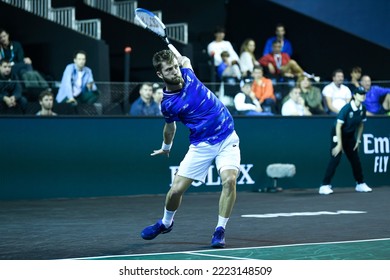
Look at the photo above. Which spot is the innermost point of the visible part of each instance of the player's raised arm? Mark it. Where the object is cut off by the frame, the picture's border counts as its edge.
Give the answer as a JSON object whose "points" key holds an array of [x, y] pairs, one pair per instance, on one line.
{"points": [[184, 62]]}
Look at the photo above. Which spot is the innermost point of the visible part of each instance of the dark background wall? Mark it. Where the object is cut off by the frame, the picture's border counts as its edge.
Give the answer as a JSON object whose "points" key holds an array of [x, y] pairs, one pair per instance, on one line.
{"points": [[76, 157], [51, 46], [364, 18], [319, 46]]}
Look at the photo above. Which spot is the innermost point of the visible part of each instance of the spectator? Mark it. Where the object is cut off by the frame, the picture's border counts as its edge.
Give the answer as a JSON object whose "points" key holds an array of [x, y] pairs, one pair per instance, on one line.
{"points": [[158, 94], [286, 46], [336, 93], [345, 138], [14, 53], [216, 47], [247, 57], [263, 90], [295, 104], [246, 103], [279, 63], [377, 99], [356, 74], [312, 96], [46, 99], [227, 69], [10, 88], [77, 84], [144, 105]]}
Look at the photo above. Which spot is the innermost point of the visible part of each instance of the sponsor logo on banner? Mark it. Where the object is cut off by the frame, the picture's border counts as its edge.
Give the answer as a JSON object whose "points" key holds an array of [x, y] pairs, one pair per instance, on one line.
{"points": [[379, 147], [213, 178]]}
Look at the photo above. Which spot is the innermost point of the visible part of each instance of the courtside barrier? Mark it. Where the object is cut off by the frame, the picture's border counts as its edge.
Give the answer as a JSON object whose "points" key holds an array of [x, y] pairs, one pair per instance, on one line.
{"points": [[65, 157]]}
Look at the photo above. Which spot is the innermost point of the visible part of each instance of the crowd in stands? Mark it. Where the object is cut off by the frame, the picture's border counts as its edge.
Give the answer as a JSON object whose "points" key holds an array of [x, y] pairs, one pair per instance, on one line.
{"points": [[275, 69], [272, 84]]}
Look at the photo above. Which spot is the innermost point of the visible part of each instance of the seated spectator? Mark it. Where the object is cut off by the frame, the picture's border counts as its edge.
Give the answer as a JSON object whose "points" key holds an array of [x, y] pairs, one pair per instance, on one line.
{"points": [[144, 105], [247, 57], [13, 51], [279, 63], [46, 100], [356, 74], [336, 93], [280, 33], [158, 94], [227, 69], [311, 95], [377, 98], [264, 90], [216, 47], [21, 65], [10, 88], [295, 104], [246, 103], [77, 83]]}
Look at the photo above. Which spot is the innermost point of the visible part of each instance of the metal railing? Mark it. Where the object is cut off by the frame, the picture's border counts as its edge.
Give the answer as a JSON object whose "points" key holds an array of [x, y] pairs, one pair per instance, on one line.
{"points": [[116, 97], [63, 16], [125, 10]]}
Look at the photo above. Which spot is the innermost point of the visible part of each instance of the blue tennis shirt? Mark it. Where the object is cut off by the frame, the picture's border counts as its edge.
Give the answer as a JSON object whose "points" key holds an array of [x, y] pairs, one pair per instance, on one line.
{"points": [[199, 109]]}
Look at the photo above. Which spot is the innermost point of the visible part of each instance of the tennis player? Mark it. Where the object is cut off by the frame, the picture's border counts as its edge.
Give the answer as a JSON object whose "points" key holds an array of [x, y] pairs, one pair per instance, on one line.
{"points": [[346, 135], [212, 137]]}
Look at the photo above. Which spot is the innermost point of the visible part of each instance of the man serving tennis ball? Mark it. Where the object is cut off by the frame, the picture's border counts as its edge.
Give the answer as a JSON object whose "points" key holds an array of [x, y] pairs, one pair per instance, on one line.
{"points": [[212, 137]]}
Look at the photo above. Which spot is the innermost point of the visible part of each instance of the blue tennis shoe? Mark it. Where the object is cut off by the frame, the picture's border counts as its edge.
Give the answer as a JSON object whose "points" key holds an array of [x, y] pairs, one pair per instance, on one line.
{"points": [[152, 231], [218, 240]]}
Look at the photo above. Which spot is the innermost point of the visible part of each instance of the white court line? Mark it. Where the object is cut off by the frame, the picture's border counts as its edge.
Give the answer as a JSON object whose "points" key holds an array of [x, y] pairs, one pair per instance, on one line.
{"points": [[233, 249], [217, 256], [294, 214]]}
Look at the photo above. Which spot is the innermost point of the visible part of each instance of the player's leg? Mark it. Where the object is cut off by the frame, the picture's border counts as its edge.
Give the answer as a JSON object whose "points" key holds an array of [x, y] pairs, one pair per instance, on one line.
{"points": [[174, 196], [228, 193], [172, 202], [228, 164], [193, 167]]}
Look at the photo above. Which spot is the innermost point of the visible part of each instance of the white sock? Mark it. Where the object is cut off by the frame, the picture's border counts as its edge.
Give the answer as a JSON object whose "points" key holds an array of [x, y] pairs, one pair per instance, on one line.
{"points": [[222, 222], [168, 217]]}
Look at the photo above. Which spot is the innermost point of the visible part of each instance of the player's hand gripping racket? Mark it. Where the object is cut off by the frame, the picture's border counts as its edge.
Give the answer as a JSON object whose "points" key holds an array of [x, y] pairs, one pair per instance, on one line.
{"points": [[151, 22]]}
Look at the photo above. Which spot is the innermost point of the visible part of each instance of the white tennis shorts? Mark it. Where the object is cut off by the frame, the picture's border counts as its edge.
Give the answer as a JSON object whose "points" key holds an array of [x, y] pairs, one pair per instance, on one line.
{"points": [[199, 158]]}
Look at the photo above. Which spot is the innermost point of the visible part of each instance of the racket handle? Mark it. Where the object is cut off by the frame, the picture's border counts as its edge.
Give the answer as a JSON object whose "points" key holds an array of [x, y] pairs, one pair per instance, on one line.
{"points": [[174, 50]]}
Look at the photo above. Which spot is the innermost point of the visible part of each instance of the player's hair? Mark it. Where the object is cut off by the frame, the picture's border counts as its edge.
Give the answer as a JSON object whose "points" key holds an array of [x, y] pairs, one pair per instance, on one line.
{"points": [[162, 56]]}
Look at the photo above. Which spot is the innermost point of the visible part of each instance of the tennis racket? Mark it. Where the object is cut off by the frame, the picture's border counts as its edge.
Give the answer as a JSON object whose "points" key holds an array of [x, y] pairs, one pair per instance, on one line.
{"points": [[152, 23]]}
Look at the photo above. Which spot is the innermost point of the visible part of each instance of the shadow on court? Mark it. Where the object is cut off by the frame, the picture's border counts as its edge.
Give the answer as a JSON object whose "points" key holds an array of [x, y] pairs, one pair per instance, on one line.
{"points": [[293, 224]]}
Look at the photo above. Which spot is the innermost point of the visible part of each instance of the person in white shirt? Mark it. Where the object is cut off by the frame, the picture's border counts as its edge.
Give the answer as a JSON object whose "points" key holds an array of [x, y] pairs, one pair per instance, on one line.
{"points": [[216, 47], [246, 103], [336, 93], [247, 57], [295, 104]]}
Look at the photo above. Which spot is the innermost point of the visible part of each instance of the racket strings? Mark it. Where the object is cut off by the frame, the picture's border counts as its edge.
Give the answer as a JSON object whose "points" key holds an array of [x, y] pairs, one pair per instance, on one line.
{"points": [[152, 23]]}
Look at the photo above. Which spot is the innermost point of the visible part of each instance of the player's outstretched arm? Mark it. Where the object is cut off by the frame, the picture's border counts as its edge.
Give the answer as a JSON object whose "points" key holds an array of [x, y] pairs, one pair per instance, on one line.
{"points": [[169, 133], [184, 62]]}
